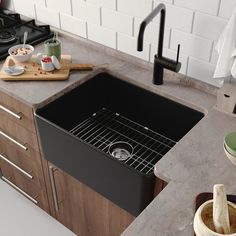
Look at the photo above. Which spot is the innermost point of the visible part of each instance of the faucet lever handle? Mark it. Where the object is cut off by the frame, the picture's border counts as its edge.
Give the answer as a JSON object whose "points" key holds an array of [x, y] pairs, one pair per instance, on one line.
{"points": [[177, 58]]}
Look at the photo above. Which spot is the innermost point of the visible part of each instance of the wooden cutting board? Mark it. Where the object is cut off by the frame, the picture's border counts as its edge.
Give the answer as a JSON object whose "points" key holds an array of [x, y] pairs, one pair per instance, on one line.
{"points": [[33, 71], [203, 197]]}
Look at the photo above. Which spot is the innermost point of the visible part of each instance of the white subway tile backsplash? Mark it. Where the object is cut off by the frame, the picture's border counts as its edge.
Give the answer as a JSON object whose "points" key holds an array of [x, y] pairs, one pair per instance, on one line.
{"points": [[40, 2], [226, 8], [117, 21], [73, 25], [172, 55], [177, 17], [86, 11], [214, 55], [195, 24], [151, 34], [202, 71], [207, 6], [128, 44], [102, 35], [191, 45], [61, 5], [208, 26], [48, 16], [104, 3], [25, 7], [140, 8]]}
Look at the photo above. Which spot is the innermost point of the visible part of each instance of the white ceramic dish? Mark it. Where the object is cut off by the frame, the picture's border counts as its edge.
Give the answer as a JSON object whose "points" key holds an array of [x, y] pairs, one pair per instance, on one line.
{"points": [[231, 157], [14, 70], [19, 57], [47, 66]]}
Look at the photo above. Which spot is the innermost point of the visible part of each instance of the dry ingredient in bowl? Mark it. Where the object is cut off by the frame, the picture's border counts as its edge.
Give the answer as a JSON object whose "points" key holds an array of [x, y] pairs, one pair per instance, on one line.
{"points": [[21, 51], [47, 60]]}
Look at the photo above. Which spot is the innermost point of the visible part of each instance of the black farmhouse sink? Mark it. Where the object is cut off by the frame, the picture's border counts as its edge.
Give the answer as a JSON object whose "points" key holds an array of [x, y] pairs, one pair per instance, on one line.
{"points": [[109, 134]]}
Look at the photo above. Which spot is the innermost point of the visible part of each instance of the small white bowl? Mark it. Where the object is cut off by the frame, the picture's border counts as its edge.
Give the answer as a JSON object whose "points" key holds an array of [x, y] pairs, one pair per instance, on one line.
{"points": [[20, 57], [47, 66], [231, 157]]}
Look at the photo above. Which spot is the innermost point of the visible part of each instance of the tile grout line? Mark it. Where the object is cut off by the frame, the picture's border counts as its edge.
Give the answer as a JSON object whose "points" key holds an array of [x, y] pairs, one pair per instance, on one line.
{"points": [[219, 6], [35, 12], [59, 13], [116, 3], [86, 29], [149, 56], [211, 52], [100, 10], [71, 8], [116, 40], [193, 19], [133, 27]]}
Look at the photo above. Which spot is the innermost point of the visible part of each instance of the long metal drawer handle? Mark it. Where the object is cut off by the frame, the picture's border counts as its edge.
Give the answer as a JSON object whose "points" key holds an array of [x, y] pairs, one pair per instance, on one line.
{"points": [[14, 141], [20, 190], [18, 116], [16, 166], [54, 191]]}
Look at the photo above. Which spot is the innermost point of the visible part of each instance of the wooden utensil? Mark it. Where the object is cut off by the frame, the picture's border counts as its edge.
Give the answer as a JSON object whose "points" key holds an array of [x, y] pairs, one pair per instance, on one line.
{"points": [[220, 210]]}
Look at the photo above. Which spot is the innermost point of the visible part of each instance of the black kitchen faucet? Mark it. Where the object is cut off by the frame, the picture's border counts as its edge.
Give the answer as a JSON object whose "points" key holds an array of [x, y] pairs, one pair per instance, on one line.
{"points": [[160, 62]]}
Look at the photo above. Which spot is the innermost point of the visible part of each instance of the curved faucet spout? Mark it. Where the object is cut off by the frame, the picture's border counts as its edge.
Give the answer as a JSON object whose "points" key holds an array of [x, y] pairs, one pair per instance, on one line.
{"points": [[160, 62], [162, 9]]}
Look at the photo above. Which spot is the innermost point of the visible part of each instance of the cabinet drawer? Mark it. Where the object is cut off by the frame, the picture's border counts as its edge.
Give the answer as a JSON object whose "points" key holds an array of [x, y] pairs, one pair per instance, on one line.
{"points": [[17, 111], [28, 166], [17, 134], [24, 186]]}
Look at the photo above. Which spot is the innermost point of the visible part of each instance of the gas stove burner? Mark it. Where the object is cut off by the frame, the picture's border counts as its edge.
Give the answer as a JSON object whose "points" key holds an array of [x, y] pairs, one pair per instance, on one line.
{"points": [[6, 37], [12, 29]]}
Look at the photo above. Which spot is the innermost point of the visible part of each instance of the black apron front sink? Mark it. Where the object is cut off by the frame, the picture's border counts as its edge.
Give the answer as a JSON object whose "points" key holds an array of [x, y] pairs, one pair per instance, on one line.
{"points": [[109, 134]]}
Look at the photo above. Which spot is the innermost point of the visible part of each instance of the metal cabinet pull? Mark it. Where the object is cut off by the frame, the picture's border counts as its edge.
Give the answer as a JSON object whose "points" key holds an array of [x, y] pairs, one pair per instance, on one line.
{"points": [[20, 190], [54, 191], [14, 141], [16, 115], [16, 166]]}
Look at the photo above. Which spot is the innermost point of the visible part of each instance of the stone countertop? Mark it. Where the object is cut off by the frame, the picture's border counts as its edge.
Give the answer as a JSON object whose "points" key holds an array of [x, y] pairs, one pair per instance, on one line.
{"points": [[193, 166]]}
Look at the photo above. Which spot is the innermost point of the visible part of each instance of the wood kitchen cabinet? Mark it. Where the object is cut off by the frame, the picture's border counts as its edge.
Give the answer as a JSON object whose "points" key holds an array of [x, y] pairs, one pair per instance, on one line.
{"points": [[20, 159], [84, 211]]}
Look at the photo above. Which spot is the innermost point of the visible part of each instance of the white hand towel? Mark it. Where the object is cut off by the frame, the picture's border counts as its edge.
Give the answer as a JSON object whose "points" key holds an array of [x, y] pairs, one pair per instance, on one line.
{"points": [[225, 47]]}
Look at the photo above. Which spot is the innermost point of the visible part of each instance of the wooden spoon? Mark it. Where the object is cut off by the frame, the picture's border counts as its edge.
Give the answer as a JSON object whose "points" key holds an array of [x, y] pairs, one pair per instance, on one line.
{"points": [[220, 210]]}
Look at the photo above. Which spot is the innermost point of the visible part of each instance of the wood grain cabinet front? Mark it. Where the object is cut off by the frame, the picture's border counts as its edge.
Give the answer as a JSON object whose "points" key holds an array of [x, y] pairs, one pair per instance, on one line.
{"points": [[20, 158], [83, 210], [28, 166], [24, 185], [17, 111]]}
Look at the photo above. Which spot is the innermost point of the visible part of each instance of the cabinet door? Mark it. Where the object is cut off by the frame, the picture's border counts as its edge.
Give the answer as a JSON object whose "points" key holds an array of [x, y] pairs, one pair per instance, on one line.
{"points": [[84, 211]]}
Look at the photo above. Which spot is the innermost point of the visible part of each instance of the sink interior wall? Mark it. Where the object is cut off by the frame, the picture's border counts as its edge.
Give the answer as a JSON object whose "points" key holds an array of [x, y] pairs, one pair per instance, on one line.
{"points": [[162, 115]]}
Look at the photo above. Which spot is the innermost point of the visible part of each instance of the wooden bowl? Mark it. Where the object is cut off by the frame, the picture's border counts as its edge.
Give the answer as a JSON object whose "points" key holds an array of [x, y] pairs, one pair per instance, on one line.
{"points": [[203, 220]]}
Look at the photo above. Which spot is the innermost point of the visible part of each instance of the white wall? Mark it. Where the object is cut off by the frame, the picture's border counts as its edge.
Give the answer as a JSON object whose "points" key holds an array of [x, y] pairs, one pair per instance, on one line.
{"points": [[195, 24]]}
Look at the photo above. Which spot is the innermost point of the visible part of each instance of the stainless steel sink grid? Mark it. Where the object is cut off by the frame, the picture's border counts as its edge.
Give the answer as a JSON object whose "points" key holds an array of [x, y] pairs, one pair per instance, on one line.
{"points": [[105, 127]]}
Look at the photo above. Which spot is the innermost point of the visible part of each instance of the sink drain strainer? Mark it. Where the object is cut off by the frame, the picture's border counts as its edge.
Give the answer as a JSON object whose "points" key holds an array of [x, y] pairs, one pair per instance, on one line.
{"points": [[121, 150]]}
